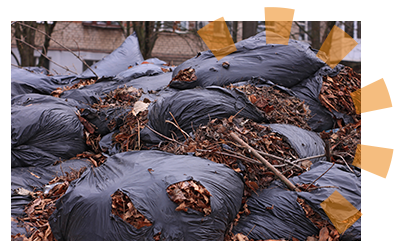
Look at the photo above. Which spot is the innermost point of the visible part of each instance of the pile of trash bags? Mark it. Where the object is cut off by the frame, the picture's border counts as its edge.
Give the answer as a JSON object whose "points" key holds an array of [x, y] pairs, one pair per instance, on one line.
{"points": [[52, 118]]}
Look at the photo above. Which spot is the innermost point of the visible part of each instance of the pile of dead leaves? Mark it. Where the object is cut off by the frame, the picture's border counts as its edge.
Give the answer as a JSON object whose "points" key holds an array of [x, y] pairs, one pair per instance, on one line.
{"points": [[80, 84], [190, 194], [214, 143], [128, 135], [327, 231], [185, 75], [279, 106], [123, 207], [39, 210], [124, 96], [343, 143], [335, 92]]}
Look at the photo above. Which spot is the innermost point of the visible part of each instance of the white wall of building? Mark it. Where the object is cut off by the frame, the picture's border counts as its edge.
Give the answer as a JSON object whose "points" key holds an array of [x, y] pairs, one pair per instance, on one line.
{"points": [[65, 59]]}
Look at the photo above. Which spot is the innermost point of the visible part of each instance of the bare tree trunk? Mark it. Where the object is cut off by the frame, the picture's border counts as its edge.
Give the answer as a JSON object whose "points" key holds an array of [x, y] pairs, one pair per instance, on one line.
{"points": [[249, 29], [329, 26], [315, 34], [234, 31], [27, 35], [48, 29], [147, 34]]}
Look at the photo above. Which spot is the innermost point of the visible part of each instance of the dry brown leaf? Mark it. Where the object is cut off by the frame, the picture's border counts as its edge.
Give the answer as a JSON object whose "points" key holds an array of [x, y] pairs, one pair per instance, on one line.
{"points": [[190, 194], [123, 207]]}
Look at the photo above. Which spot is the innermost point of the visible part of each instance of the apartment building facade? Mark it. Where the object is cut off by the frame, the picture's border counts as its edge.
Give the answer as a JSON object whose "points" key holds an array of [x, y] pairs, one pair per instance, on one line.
{"points": [[176, 42]]}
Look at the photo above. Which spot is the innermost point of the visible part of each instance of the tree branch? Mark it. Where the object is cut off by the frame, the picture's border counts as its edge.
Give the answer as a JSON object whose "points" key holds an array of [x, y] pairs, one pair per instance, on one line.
{"points": [[44, 55], [83, 61], [265, 162]]}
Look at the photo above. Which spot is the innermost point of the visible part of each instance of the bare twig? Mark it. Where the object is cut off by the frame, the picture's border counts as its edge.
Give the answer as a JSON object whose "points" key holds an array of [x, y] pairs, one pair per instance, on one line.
{"points": [[83, 61], [33, 47], [345, 162], [265, 162], [177, 126], [165, 137], [319, 177], [279, 158], [309, 158]]}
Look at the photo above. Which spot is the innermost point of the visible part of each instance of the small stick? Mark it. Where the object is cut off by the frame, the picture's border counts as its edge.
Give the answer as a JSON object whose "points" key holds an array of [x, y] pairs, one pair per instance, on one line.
{"points": [[319, 177], [138, 126], [328, 150], [265, 162], [163, 136], [177, 125], [345, 163], [279, 158], [308, 158]]}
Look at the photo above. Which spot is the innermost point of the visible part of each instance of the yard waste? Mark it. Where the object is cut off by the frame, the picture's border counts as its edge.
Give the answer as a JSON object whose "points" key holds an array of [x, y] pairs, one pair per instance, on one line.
{"points": [[44, 129], [145, 178], [285, 65], [180, 114], [244, 148], [277, 213]]}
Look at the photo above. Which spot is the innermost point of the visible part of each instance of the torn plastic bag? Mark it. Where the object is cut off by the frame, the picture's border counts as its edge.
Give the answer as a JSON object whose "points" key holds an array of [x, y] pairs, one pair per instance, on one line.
{"points": [[85, 211], [128, 54], [285, 65], [348, 184], [25, 82], [194, 107], [31, 80], [32, 179], [138, 71], [44, 129], [149, 67], [91, 93], [308, 91], [276, 213], [305, 143]]}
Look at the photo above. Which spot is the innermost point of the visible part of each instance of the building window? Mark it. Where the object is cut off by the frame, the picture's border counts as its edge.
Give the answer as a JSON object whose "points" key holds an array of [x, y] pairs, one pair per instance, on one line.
{"points": [[352, 28], [89, 62], [349, 28], [175, 26], [46, 62], [304, 28], [102, 24], [201, 24]]}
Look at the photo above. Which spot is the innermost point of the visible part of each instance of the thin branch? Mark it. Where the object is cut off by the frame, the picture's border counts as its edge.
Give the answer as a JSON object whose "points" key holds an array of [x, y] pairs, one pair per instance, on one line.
{"points": [[319, 177], [15, 57], [177, 126], [44, 55], [165, 137], [83, 61], [309, 158], [279, 158], [265, 162]]}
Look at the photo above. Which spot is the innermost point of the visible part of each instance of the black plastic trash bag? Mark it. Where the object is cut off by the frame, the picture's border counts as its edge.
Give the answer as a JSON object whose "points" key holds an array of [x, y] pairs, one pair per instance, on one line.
{"points": [[25, 82], [349, 186], [276, 214], [32, 179], [308, 91], [305, 143], [85, 212], [284, 65], [44, 129], [128, 54], [194, 107]]}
